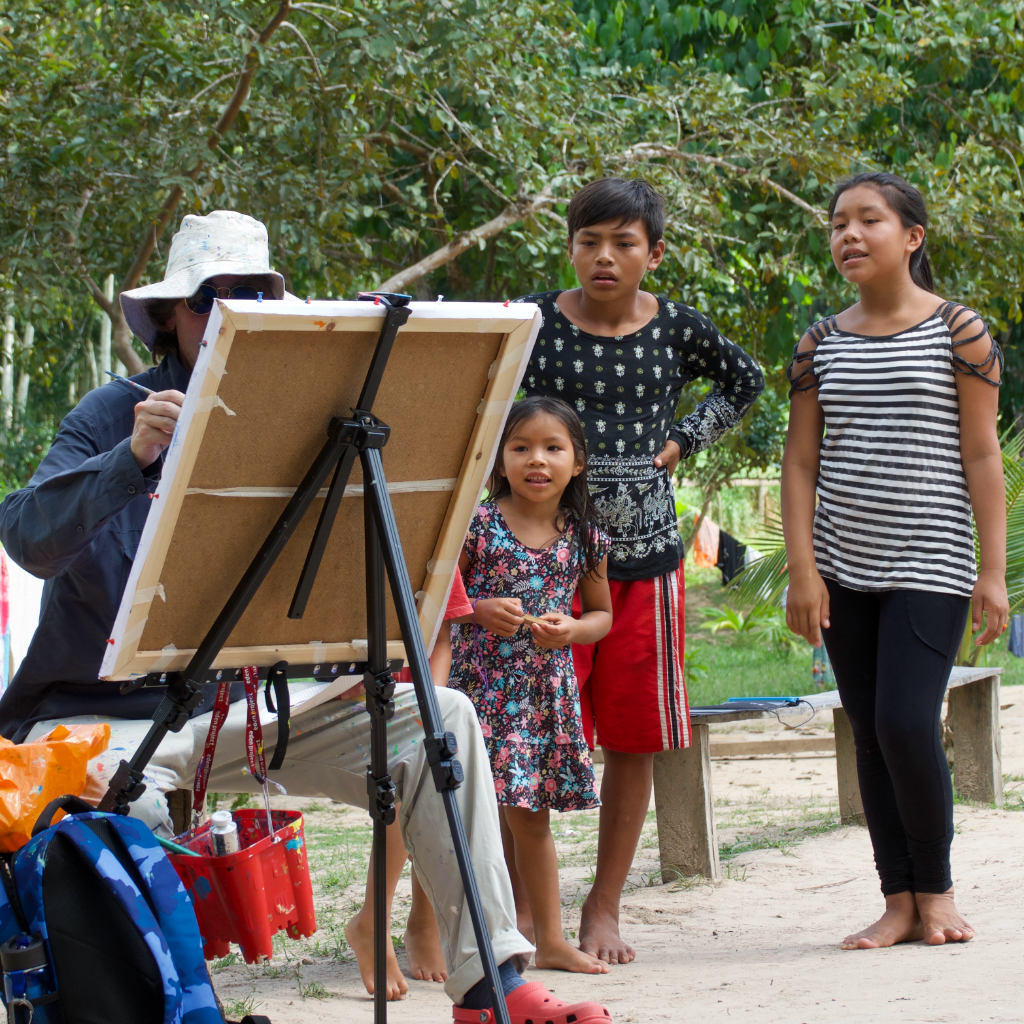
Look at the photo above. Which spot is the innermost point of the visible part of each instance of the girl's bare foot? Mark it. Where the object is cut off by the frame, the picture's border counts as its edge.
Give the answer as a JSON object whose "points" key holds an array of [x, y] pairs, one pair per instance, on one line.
{"points": [[422, 939], [899, 923], [940, 920], [599, 936], [423, 948], [359, 935], [560, 956]]}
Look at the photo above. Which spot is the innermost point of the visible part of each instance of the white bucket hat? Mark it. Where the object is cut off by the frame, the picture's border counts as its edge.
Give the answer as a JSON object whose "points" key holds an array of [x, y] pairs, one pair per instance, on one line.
{"points": [[222, 242]]}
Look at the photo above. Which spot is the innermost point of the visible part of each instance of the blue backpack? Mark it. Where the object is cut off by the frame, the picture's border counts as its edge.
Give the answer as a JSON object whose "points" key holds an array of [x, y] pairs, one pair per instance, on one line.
{"points": [[115, 921]]}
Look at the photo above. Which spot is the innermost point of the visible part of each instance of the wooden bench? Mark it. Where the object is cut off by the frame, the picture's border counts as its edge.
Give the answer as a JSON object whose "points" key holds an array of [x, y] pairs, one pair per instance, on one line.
{"points": [[687, 837]]}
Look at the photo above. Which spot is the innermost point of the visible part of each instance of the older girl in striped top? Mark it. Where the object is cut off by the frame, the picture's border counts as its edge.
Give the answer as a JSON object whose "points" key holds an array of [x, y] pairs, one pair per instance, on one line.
{"points": [[893, 426]]}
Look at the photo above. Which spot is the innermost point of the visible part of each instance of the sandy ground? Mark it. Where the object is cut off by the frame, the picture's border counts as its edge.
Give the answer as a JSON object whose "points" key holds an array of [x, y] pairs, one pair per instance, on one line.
{"points": [[762, 945]]}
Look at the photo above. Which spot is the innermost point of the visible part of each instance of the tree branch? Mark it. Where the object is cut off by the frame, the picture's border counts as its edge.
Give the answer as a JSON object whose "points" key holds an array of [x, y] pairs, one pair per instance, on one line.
{"points": [[217, 133], [652, 150], [521, 209], [121, 336]]}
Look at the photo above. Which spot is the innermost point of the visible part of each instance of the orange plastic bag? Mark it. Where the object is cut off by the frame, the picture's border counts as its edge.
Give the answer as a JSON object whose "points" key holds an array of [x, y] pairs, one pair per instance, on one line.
{"points": [[32, 774]]}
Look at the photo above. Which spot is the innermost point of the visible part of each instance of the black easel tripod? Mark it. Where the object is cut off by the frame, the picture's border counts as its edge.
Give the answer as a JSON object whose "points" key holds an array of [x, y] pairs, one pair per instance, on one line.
{"points": [[360, 435]]}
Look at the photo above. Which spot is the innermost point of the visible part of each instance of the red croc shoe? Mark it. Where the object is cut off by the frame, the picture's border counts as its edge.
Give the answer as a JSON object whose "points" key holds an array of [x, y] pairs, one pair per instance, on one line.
{"points": [[532, 1003]]}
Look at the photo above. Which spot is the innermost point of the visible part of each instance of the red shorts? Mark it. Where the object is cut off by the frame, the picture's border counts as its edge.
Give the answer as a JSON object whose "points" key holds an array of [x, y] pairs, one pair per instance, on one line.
{"points": [[632, 688]]}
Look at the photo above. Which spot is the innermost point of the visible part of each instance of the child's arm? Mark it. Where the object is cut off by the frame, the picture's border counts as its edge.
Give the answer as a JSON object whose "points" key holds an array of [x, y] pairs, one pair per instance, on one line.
{"points": [[441, 657], [499, 615], [557, 630], [983, 467], [807, 606], [737, 381]]}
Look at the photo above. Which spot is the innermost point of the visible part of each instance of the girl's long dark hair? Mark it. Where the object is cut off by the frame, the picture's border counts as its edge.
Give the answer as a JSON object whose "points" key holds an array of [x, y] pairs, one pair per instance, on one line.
{"points": [[576, 503], [907, 203]]}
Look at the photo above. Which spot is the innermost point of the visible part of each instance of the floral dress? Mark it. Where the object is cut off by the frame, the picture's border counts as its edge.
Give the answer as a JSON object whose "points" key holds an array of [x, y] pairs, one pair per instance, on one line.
{"points": [[525, 696]]}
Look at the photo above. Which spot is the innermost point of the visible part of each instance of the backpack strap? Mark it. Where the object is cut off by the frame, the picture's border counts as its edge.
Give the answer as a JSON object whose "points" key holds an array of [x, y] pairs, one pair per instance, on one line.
{"points": [[67, 803], [13, 900]]}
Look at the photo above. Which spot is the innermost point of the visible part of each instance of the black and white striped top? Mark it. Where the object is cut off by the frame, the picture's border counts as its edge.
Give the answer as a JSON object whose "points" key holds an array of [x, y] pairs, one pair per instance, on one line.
{"points": [[893, 509]]}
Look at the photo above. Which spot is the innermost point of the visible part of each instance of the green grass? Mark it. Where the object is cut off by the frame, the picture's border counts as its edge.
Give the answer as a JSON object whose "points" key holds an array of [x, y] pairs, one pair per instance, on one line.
{"points": [[782, 839], [239, 1008], [728, 669], [744, 664], [1013, 792], [728, 664]]}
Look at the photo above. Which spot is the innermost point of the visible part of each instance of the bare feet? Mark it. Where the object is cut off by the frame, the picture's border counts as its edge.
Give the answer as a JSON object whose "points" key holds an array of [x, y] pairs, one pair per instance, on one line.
{"points": [[899, 923], [940, 920], [423, 948], [599, 935], [560, 956], [359, 935]]}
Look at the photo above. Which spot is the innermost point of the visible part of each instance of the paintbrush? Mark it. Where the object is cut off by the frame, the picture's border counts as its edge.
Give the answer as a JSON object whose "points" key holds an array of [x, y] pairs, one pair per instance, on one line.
{"points": [[131, 383]]}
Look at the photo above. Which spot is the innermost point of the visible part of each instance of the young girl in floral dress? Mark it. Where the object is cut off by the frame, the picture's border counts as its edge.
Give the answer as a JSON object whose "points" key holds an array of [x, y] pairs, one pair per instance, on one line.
{"points": [[529, 548]]}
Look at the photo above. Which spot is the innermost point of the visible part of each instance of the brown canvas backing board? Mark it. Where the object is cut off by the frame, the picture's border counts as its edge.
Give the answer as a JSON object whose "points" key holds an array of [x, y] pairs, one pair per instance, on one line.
{"points": [[267, 383]]}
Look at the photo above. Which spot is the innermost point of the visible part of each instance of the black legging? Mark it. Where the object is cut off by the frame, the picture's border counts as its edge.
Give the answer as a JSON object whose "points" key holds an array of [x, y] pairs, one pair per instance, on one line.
{"points": [[892, 652]]}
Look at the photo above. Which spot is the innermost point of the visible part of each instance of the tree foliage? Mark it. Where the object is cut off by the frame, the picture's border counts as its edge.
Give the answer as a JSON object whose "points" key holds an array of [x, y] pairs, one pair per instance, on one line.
{"points": [[431, 146]]}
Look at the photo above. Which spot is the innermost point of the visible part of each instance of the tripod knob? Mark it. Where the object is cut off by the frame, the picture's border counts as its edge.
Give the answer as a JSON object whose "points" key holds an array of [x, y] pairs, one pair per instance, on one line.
{"points": [[449, 746]]}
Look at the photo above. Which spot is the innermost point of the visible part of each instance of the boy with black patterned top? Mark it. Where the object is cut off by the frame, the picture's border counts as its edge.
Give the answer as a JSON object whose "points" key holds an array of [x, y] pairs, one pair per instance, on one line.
{"points": [[621, 356]]}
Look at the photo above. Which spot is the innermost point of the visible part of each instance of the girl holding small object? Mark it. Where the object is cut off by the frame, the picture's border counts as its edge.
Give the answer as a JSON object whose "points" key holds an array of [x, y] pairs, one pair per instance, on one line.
{"points": [[530, 546], [903, 384]]}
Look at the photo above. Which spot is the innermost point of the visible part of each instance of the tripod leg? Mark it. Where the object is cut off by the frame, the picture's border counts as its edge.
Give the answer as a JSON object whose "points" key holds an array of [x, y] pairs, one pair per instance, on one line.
{"points": [[380, 688], [447, 772]]}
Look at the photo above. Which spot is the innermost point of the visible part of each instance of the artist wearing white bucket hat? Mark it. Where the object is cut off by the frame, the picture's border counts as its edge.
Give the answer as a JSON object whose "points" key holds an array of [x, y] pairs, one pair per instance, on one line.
{"points": [[78, 522], [221, 244]]}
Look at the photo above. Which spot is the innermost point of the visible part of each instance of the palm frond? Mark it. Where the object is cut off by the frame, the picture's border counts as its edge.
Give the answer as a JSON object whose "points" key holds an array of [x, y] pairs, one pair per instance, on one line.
{"points": [[1012, 443], [763, 580]]}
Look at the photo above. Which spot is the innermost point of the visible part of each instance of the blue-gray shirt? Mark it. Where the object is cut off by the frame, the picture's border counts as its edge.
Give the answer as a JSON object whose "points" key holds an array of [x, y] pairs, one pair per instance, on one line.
{"points": [[77, 525]]}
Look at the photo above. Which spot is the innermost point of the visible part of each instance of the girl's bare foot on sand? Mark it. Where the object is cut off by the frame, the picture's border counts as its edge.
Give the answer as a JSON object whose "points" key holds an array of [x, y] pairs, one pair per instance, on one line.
{"points": [[899, 923], [423, 948], [359, 935], [599, 936], [560, 956], [940, 920]]}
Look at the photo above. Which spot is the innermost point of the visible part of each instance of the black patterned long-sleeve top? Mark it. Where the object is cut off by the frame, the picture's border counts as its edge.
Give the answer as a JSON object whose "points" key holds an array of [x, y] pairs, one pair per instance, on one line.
{"points": [[626, 390]]}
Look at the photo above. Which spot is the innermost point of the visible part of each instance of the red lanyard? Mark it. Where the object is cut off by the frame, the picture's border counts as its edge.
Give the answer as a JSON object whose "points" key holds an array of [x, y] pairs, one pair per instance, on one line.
{"points": [[253, 738], [253, 729]]}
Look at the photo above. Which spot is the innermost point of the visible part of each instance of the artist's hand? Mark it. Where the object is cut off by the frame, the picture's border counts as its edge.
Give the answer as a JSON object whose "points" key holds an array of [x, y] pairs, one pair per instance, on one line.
{"points": [[553, 630], [155, 420], [807, 611], [499, 615], [989, 603], [669, 457]]}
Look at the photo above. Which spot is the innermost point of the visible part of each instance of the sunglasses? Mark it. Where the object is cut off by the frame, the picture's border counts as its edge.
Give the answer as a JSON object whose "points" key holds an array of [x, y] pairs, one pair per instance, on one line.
{"points": [[202, 300]]}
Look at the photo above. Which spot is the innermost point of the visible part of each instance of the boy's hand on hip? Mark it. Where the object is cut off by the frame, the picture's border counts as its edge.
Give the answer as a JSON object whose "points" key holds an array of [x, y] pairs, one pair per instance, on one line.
{"points": [[669, 457]]}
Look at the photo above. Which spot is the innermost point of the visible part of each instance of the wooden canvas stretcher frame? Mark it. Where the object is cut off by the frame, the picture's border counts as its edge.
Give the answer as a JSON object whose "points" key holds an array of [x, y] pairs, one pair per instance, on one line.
{"points": [[269, 379]]}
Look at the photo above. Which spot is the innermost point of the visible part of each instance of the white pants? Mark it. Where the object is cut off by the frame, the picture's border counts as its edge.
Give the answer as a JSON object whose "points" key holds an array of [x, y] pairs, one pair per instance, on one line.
{"points": [[328, 751]]}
